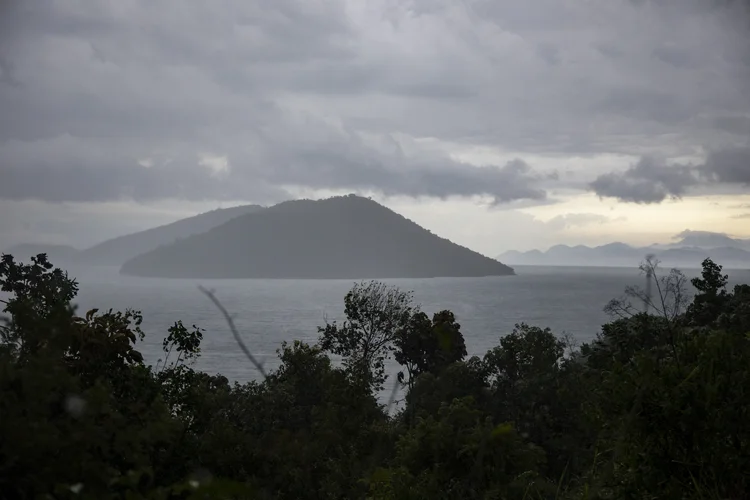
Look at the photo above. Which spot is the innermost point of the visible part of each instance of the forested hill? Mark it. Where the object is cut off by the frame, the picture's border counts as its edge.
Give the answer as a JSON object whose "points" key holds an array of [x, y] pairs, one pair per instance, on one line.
{"points": [[340, 237], [118, 250]]}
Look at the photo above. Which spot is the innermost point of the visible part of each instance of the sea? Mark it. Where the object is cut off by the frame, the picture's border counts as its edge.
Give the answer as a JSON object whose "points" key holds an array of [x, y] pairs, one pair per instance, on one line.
{"points": [[568, 300]]}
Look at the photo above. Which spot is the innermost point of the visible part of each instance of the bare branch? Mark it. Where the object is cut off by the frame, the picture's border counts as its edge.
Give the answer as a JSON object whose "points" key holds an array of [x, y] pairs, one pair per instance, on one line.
{"points": [[621, 308], [233, 328], [670, 301], [392, 397]]}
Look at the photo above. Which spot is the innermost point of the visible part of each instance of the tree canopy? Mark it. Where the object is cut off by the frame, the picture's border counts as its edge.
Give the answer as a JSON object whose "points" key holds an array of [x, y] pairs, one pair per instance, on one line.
{"points": [[656, 406]]}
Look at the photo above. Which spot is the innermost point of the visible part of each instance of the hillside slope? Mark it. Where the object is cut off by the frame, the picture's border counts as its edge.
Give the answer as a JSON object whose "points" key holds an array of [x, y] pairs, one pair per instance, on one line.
{"points": [[118, 250], [343, 237]]}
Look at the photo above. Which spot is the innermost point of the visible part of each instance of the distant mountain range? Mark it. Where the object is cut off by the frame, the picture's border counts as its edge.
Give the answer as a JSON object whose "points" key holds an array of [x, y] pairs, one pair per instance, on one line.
{"points": [[705, 240], [123, 248], [116, 251], [347, 237], [690, 250]]}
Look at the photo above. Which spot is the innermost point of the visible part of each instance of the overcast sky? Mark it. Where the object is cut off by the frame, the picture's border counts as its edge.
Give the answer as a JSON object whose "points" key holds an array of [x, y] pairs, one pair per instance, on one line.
{"points": [[500, 124]]}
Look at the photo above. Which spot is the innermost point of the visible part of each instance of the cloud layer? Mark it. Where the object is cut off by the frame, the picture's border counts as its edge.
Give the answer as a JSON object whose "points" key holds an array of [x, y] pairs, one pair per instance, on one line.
{"points": [[141, 100], [648, 181], [652, 181]]}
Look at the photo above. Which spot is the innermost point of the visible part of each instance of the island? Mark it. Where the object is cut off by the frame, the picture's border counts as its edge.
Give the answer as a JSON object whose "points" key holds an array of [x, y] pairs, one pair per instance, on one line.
{"points": [[690, 247], [344, 237], [116, 251]]}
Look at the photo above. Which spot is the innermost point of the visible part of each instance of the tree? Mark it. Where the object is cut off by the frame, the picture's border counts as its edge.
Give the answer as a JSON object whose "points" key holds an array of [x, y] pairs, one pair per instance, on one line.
{"points": [[621, 339], [655, 407], [463, 378], [670, 301], [711, 296], [711, 283], [678, 430], [459, 453], [735, 313], [376, 315], [526, 352], [532, 386], [79, 409], [309, 430], [429, 346], [41, 318], [39, 304], [669, 304], [185, 342]]}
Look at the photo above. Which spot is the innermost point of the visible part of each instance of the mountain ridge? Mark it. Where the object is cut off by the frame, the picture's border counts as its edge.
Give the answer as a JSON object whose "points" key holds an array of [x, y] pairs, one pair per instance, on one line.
{"points": [[685, 252], [343, 237], [116, 251], [120, 249]]}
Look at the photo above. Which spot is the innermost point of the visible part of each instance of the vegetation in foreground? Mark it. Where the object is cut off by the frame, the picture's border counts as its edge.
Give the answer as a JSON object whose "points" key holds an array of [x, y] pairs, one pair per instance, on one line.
{"points": [[657, 406]]}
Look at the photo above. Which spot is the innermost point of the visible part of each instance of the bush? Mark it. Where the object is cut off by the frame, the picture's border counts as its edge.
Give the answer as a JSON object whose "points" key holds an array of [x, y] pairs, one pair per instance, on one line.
{"points": [[655, 407]]}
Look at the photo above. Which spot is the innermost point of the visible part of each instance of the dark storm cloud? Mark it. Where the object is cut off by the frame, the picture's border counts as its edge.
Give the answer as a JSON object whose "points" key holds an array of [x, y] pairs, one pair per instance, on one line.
{"points": [[76, 183], [648, 181], [341, 159], [328, 159], [512, 181], [283, 30], [739, 125], [645, 104], [549, 53], [270, 85], [609, 50], [435, 90], [6, 74], [676, 56], [730, 166]]}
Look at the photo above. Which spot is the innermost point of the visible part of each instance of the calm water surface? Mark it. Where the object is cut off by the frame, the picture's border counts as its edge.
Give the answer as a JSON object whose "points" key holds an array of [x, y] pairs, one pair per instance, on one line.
{"points": [[267, 312]]}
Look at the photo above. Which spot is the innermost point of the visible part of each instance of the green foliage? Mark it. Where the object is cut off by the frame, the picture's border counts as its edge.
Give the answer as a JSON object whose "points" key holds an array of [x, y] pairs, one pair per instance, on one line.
{"points": [[39, 303], [536, 387], [621, 339], [376, 315], [525, 353], [735, 314], [426, 346], [458, 453], [464, 378], [675, 424], [78, 406], [185, 342], [656, 406], [711, 283], [711, 295]]}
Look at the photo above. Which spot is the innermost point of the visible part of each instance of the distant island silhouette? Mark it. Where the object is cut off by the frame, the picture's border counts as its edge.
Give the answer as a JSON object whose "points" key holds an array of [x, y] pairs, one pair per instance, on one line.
{"points": [[690, 247], [117, 251], [345, 237]]}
